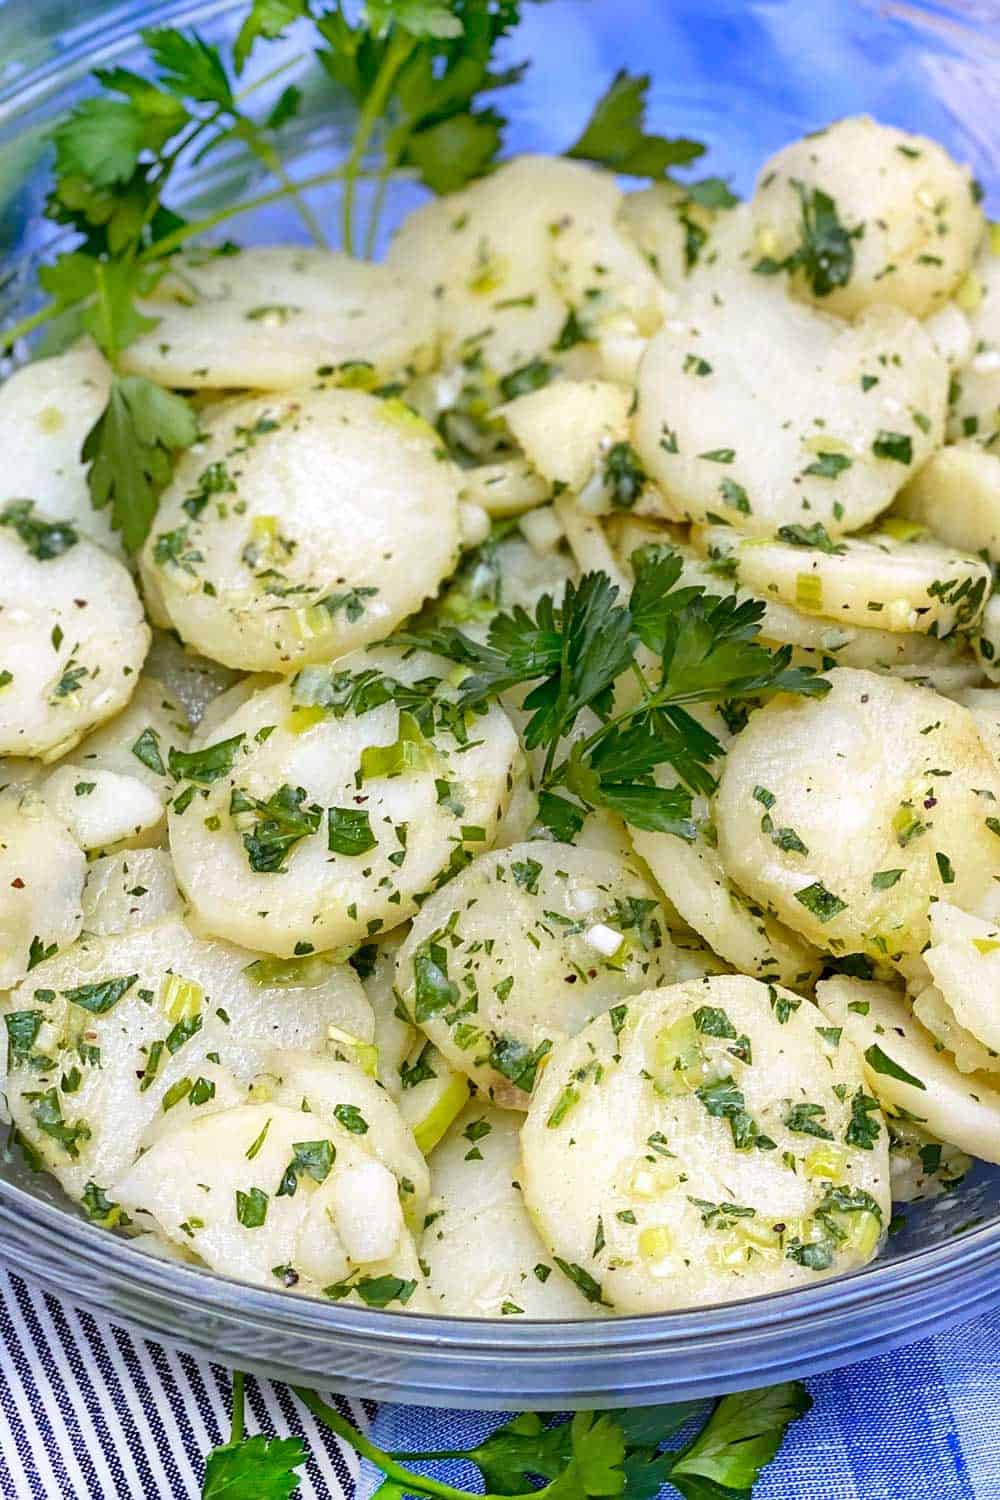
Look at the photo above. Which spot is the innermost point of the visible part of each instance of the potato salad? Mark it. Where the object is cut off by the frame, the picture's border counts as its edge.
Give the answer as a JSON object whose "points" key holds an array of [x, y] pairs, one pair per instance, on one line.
{"points": [[515, 831]]}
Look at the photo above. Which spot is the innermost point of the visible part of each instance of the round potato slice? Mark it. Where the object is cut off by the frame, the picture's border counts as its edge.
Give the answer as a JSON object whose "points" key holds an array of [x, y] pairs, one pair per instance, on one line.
{"points": [[42, 870], [102, 808], [132, 1019], [678, 236], [768, 413], [323, 810], [278, 316], [867, 214], [956, 495], [137, 742], [907, 1070], [302, 527], [481, 1251], [848, 815], [985, 639], [936, 1016], [132, 889], [521, 950], [907, 584], [734, 1165], [509, 258], [975, 408], [46, 410], [72, 635], [332, 1088], [271, 1196]]}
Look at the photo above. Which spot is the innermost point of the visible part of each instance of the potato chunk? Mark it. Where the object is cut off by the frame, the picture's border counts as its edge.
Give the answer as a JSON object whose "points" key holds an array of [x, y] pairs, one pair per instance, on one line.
{"points": [[42, 870]]}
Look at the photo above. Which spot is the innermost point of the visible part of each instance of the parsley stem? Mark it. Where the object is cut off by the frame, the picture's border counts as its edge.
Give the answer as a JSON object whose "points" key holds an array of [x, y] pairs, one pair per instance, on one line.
{"points": [[269, 76], [417, 1484], [399, 49], [309, 219], [27, 325], [239, 1382]]}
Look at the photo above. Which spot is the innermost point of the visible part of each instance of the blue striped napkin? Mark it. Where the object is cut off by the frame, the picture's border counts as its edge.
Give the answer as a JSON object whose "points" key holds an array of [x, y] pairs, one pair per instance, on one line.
{"points": [[90, 1412]]}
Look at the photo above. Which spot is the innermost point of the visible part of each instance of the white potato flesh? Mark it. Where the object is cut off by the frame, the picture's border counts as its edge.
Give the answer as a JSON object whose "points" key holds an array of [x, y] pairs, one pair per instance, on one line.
{"points": [[694, 1077], [951, 334], [676, 235], [767, 412], [137, 742], [984, 706], [324, 898], [911, 209], [483, 1255], [222, 707], [335, 1088], [736, 927], [936, 1016], [101, 808], [507, 257], [964, 961], [957, 496], [393, 1037], [848, 815], [273, 317], [498, 576], [963, 1108], [132, 889], [46, 410], [164, 977], [975, 410], [920, 1166], [986, 639], [72, 639], [196, 1181], [303, 526], [567, 428], [908, 584], [42, 870], [521, 950], [507, 488]]}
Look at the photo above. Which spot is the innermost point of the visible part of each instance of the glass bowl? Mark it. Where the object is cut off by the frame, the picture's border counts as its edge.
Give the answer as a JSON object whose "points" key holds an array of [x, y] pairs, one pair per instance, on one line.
{"points": [[746, 75]]}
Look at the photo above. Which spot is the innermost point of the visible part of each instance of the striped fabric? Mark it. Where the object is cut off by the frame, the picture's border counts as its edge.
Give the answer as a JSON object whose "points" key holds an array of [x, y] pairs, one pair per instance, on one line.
{"points": [[89, 1412]]}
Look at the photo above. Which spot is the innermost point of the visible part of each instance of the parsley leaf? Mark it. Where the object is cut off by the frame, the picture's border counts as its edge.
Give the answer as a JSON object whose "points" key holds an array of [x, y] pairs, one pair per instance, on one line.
{"points": [[130, 450], [615, 135], [743, 1434], [825, 254], [255, 1468]]}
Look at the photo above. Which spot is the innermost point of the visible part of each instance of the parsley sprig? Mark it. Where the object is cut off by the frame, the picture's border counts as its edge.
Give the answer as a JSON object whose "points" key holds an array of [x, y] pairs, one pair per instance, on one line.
{"points": [[594, 1454], [706, 651]]}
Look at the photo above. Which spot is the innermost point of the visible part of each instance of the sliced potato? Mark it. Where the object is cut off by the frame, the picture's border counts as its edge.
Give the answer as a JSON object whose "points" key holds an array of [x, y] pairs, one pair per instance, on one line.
{"points": [[337, 1088], [975, 408], [964, 961], [908, 583], [137, 742], [273, 317], [42, 870], [507, 258], [483, 1256], [907, 1070], [222, 1185], [906, 219], [521, 950], [46, 410], [322, 879], [767, 413], [936, 1016], [985, 639], [849, 815], [72, 635], [731, 1167], [568, 428], [506, 488], [132, 889], [679, 237], [736, 927], [302, 527], [957, 496], [132, 1019], [102, 808]]}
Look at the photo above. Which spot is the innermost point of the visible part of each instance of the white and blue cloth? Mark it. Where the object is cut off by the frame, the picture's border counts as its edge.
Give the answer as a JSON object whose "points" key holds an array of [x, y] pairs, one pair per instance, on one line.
{"points": [[90, 1412]]}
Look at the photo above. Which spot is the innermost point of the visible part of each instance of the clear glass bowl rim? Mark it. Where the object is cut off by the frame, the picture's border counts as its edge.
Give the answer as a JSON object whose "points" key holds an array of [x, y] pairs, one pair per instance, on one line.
{"points": [[952, 1279]]}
